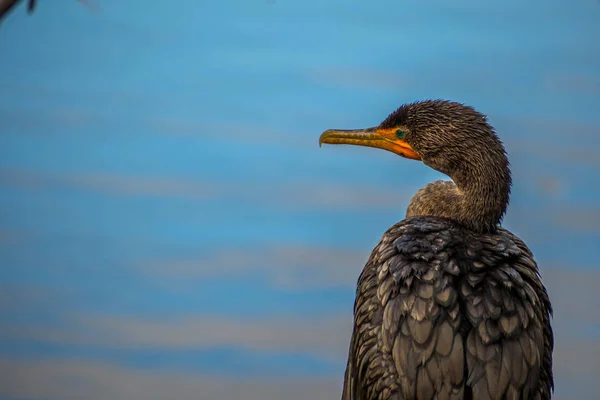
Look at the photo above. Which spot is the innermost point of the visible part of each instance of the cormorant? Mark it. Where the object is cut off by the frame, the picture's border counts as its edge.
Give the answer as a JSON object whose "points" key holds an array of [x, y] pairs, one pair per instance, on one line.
{"points": [[450, 305]]}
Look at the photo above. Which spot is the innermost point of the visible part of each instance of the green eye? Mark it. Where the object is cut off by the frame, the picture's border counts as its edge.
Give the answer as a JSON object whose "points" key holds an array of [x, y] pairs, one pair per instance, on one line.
{"points": [[400, 134]]}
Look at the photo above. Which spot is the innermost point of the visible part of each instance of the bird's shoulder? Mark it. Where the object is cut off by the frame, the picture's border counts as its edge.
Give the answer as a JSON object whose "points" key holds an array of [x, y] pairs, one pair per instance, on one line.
{"points": [[429, 238]]}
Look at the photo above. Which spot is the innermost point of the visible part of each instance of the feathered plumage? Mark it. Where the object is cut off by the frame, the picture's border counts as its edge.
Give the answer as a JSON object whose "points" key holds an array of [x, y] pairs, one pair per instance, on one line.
{"points": [[449, 305]]}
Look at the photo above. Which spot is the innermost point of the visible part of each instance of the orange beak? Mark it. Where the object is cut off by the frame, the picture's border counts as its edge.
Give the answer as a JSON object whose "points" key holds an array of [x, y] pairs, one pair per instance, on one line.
{"points": [[371, 137]]}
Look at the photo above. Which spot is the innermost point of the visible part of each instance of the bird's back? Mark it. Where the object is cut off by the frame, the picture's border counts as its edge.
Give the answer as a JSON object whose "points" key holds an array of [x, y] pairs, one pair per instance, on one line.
{"points": [[444, 313]]}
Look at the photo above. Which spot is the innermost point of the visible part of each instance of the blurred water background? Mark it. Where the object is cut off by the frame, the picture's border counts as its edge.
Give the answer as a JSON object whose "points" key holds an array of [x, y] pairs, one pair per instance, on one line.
{"points": [[169, 227]]}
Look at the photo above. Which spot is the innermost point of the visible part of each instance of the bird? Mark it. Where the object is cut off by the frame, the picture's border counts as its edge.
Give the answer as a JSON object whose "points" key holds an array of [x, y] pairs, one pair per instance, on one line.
{"points": [[450, 305]]}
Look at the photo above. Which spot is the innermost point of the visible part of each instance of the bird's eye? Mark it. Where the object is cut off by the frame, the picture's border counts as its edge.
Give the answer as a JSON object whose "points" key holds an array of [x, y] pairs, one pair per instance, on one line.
{"points": [[400, 134]]}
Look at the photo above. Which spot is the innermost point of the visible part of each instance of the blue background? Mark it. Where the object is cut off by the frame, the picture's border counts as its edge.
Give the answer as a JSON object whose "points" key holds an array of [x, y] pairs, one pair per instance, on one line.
{"points": [[169, 227]]}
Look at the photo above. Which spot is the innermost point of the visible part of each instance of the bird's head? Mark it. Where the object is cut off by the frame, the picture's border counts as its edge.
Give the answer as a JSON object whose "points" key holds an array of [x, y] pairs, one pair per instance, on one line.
{"points": [[451, 138], [444, 135]]}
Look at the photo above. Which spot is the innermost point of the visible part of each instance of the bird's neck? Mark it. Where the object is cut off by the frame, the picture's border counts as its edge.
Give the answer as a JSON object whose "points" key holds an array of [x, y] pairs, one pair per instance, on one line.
{"points": [[477, 198]]}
